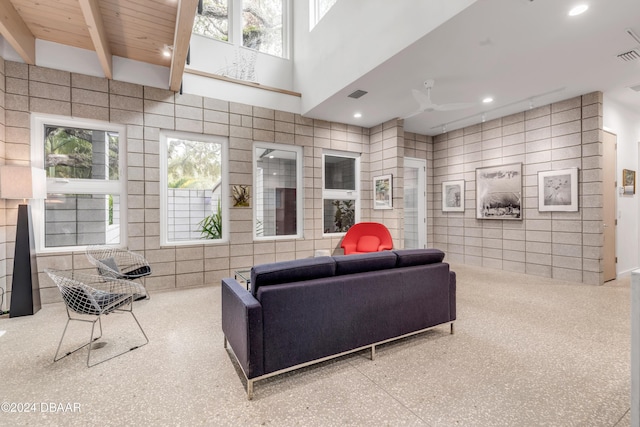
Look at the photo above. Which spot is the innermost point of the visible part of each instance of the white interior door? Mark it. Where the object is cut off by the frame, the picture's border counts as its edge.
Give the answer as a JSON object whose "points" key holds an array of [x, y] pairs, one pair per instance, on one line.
{"points": [[415, 203]]}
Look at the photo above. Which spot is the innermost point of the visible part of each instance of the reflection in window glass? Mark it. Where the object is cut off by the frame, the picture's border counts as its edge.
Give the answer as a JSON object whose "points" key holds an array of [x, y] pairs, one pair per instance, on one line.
{"points": [[213, 20], [339, 173], [339, 215], [75, 153], [194, 190], [262, 26], [81, 219], [276, 192]]}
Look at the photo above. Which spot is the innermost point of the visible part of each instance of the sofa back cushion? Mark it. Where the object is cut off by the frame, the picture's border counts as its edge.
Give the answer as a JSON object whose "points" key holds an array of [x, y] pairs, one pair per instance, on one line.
{"points": [[411, 257], [358, 263], [291, 271], [368, 244]]}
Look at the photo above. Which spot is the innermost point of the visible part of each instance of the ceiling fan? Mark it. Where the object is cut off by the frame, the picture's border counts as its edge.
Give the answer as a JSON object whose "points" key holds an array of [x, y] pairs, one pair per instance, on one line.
{"points": [[426, 105]]}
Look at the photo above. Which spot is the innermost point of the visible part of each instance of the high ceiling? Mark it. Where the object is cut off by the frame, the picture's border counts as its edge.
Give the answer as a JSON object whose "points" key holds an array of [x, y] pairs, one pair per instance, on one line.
{"points": [[133, 29], [522, 53]]}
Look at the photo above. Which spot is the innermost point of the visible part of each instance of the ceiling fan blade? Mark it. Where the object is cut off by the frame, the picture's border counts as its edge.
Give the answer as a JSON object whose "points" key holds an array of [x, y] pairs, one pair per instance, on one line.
{"points": [[454, 106], [423, 99]]}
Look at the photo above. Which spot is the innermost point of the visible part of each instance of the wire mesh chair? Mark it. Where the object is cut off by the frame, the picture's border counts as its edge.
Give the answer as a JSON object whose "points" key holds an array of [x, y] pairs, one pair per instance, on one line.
{"points": [[119, 263], [91, 295]]}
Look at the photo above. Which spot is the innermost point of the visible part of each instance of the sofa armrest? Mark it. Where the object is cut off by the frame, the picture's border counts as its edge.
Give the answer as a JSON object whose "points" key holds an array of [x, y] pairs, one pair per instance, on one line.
{"points": [[242, 326], [452, 295]]}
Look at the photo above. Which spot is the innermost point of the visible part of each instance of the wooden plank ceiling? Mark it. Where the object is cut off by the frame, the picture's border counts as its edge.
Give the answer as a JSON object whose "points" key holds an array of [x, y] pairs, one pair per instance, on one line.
{"points": [[133, 29]]}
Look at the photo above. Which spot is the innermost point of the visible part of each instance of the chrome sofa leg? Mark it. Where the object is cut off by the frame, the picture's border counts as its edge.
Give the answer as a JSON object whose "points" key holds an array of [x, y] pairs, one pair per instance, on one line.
{"points": [[373, 352], [453, 331], [249, 389]]}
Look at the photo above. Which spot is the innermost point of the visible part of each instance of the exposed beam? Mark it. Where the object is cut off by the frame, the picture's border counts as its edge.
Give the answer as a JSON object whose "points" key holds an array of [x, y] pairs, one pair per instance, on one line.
{"points": [[13, 28], [181, 38], [95, 24]]}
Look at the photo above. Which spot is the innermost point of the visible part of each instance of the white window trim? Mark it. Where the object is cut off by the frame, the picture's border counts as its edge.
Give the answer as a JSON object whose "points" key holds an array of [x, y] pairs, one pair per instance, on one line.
{"points": [[224, 161], [341, 194], [299, 190], [81, 186]]}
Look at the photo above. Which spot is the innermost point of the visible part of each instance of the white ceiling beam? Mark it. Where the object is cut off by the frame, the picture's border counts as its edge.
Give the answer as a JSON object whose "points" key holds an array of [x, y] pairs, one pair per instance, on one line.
{"points": [[16, 32], [181, 38], [95, 24]]}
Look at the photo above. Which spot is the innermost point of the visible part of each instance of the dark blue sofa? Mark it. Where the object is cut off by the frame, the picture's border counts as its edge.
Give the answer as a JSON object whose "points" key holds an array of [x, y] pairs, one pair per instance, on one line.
{"points": [[308, 310]]}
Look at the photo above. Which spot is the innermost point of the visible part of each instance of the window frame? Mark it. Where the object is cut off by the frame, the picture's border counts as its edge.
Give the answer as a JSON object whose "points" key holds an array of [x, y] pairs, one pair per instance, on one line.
{"points": [[334, 194], [79, 186], [314, 13], [224, 163], [299, 190], [235, 26]]}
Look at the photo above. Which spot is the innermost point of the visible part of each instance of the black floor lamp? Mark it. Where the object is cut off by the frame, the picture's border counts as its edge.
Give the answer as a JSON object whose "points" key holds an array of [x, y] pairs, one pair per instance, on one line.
{"points": [[23, 182]]}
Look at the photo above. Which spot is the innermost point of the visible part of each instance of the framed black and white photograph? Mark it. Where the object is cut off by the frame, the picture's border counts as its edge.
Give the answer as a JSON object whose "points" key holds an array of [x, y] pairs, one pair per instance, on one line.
{"points": [[453, 196], [499, 192], [383, 192], [558, 190]]}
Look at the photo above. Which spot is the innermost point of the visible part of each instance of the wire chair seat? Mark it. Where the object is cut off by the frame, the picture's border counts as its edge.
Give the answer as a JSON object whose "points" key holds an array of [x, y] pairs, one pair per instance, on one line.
{"points": [[118, 263], [92, 295]]}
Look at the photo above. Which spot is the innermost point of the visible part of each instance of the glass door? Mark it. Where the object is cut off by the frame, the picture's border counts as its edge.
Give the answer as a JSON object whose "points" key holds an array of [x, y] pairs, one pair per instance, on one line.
{"points": [[415, 203]]}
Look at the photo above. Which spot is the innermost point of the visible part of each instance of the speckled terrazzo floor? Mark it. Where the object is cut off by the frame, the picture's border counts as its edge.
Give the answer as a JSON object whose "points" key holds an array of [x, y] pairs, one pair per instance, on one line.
{"points": [[527, 351]]}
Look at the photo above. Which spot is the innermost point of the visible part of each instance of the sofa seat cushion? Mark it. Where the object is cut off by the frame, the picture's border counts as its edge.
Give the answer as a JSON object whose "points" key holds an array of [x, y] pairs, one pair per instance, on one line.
{"points": [[291, 271], [368, 244], [411, 257], [358, 263]]}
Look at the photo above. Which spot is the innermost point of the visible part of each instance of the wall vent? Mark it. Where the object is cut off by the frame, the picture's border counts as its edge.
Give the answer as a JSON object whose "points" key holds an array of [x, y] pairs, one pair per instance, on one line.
{"points": [[357, 94], [631, 55]]}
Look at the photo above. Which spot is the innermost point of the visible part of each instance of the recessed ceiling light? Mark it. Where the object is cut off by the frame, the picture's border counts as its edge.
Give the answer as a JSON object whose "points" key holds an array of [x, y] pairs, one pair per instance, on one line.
{"points": [[357, 115], [578, 10], [487, 100]]}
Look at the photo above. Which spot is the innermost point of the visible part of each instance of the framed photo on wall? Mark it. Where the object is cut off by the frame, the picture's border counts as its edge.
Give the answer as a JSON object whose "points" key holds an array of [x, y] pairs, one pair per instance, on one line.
{"points": [[499, 192], [558, 190], [629, 181], [383, 192], [453, 196]]}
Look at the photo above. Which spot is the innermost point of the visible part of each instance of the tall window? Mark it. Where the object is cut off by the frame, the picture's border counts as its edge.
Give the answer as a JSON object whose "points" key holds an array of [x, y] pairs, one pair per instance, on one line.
{"points": [[317, 9], [85, 187], [193, 190], [341, 191], [212, 19], [261, 25], [278, 194]]}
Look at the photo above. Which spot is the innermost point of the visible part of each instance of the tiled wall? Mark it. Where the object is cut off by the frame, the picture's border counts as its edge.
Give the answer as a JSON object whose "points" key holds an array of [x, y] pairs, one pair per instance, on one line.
{"points": [[563, 245], [3, 228], [145, 111]]}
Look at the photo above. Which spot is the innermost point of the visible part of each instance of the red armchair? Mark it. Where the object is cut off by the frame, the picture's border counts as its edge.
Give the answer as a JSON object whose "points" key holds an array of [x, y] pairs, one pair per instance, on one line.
{"points": [[366, 237]]}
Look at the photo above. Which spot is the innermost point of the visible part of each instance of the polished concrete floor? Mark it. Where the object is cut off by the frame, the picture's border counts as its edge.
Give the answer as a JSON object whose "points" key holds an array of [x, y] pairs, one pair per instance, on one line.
{"points": [[527, 351]]}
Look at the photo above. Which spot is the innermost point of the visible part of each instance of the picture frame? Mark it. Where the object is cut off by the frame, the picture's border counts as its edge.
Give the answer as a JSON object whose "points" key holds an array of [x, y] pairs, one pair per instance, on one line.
{"points": [[558, 190], [628, 181], [453, 196], [241, 195], [499, 192], [383, 192]]}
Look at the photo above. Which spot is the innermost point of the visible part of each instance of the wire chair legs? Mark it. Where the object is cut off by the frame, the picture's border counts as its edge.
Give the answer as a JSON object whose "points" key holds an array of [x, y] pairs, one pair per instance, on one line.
{"points": [[92, 339]]}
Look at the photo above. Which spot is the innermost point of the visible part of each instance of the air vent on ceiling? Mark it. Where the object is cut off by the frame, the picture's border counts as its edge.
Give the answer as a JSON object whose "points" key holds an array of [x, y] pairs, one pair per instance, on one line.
{"points": [[357, 94], [631, 55], [636, 88]]}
